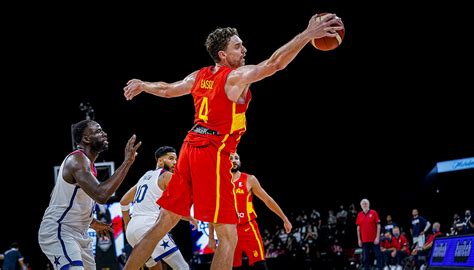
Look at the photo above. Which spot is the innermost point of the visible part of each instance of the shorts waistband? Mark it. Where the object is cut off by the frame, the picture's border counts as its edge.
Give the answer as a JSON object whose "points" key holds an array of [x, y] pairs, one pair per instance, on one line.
{"points": [[203, 130]]}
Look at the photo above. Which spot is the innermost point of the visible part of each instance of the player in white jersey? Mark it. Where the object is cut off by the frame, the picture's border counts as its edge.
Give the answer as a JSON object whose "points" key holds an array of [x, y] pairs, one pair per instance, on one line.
{"points": [[145, 210], [63, 231]]}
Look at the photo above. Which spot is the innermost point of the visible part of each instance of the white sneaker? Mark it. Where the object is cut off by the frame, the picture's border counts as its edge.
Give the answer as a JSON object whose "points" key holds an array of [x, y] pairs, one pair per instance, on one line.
{"points": [[386, 267], [399, 267]]}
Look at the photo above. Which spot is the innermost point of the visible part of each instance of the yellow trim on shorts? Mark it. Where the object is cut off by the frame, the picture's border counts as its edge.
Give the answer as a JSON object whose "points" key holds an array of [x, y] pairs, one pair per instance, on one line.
{"points": [[262, 256], [218, 178]]}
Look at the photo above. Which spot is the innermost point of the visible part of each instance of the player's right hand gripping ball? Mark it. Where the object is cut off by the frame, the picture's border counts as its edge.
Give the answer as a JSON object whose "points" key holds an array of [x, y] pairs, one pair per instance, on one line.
{"points": [[328, 43]]}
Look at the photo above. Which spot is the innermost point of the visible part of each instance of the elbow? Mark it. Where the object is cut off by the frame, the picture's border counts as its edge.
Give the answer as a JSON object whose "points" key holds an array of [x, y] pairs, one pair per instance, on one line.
{"points": [[278, 67], [123, 201], [275, 66], [102, 199]]}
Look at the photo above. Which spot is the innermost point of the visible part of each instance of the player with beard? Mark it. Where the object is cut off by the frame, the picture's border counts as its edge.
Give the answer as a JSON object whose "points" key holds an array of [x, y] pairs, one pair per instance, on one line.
{"points": [[63, 231], [248, 234], [145, 211], [221, 97]]}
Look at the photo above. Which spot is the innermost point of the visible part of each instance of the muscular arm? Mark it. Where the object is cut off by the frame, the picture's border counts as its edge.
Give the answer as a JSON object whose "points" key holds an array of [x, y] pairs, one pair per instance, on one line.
{"points": [[161, 89], [239, 79], [126, 200], [77, 168], [164, 180], [255, 187]]}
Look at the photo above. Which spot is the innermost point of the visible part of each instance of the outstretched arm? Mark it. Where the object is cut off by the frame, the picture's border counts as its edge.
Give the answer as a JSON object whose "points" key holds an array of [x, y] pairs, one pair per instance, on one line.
{"points": [[257, 189], [161, 89], [125, 203], [243, 76], [77, 167]]}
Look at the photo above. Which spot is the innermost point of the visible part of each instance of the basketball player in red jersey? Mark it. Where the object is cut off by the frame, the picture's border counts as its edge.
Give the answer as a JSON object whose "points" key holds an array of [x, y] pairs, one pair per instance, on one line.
{"points": [[249, 239], [221, 96]]}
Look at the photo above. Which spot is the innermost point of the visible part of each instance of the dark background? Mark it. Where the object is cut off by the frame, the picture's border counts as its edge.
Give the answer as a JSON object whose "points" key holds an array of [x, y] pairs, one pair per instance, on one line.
{"points": [[369, 119]]}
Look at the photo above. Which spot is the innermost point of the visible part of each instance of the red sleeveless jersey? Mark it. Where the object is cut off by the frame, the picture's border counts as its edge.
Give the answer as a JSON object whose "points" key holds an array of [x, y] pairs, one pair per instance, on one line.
{"points": [[213, 109], [244, 200]]}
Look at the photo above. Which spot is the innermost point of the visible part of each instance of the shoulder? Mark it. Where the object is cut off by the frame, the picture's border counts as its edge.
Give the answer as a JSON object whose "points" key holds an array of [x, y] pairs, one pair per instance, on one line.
{"points": [[251, 179], [165, 176], [76, 159]]}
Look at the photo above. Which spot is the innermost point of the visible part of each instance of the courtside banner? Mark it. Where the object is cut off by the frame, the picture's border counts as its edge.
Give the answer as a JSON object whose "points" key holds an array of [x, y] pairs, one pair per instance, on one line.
{"points": [[455, 165], [453, 252]]}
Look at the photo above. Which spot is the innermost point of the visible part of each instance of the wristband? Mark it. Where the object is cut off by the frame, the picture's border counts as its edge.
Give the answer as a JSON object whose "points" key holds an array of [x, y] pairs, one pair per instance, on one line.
{"points": [[125, 207]]}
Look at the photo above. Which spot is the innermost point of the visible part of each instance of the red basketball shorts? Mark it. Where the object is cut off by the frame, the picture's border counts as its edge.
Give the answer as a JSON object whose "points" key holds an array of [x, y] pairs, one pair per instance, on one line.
{"points": [[250, 242], [202, 178]]}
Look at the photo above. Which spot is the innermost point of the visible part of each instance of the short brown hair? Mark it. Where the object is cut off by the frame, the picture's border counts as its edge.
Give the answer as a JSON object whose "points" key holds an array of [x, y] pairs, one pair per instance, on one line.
{"points": [[218, 41]]}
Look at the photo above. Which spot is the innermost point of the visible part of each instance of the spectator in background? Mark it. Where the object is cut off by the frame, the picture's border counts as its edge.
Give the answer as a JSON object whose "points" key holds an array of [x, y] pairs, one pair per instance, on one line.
{"points": [[12, 258], [341, 216], [387, 247], [316, 218], [425, 250], [401, 245], [368, 233], [389, 225], [419, 227], [468, 224], [337, 255], [331, 220], [457, 225]]}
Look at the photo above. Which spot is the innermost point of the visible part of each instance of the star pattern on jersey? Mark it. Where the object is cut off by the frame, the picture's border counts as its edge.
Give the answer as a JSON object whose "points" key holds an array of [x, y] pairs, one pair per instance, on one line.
{"points": [[165, 244], [56, 260]]}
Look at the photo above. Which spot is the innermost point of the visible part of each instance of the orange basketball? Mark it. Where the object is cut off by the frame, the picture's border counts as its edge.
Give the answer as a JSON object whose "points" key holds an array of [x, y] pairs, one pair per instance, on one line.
{"points": [[328, 43]]}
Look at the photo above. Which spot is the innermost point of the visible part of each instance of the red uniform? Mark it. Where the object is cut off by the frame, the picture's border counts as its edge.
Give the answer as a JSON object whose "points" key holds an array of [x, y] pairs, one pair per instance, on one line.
{"points": [[368, 225], [401, 243], [248, 235], [202, 175], [432, 236], [388, 243]]}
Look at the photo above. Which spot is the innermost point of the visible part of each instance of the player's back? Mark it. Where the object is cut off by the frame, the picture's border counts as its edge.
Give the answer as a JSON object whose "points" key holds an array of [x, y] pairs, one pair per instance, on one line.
{"points": [[148, 191], [69, 205], [213, 109]]}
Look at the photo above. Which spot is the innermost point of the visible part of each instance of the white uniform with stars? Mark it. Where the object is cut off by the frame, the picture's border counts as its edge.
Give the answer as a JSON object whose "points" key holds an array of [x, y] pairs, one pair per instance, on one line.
{"points": [[63, 232], [144, 214]]}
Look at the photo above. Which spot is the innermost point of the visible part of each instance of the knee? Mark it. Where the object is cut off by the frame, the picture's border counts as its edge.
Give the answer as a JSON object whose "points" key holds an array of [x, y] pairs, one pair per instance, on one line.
{"points": [[228, 238], [168, 216]]}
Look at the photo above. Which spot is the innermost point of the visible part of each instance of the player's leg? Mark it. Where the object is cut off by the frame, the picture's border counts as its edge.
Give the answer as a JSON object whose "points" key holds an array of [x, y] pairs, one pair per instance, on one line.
{"points": [[213, 196], [251, 241], [61, 246], [87, 253], [156, 265], [142, 251], [237, 263], [167, 251], [175, 202], [226, 233], [176, 261]]}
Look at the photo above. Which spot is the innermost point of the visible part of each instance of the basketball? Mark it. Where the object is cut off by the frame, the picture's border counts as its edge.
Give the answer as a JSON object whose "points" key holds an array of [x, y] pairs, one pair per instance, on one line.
{"points": [[328, 43]]}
